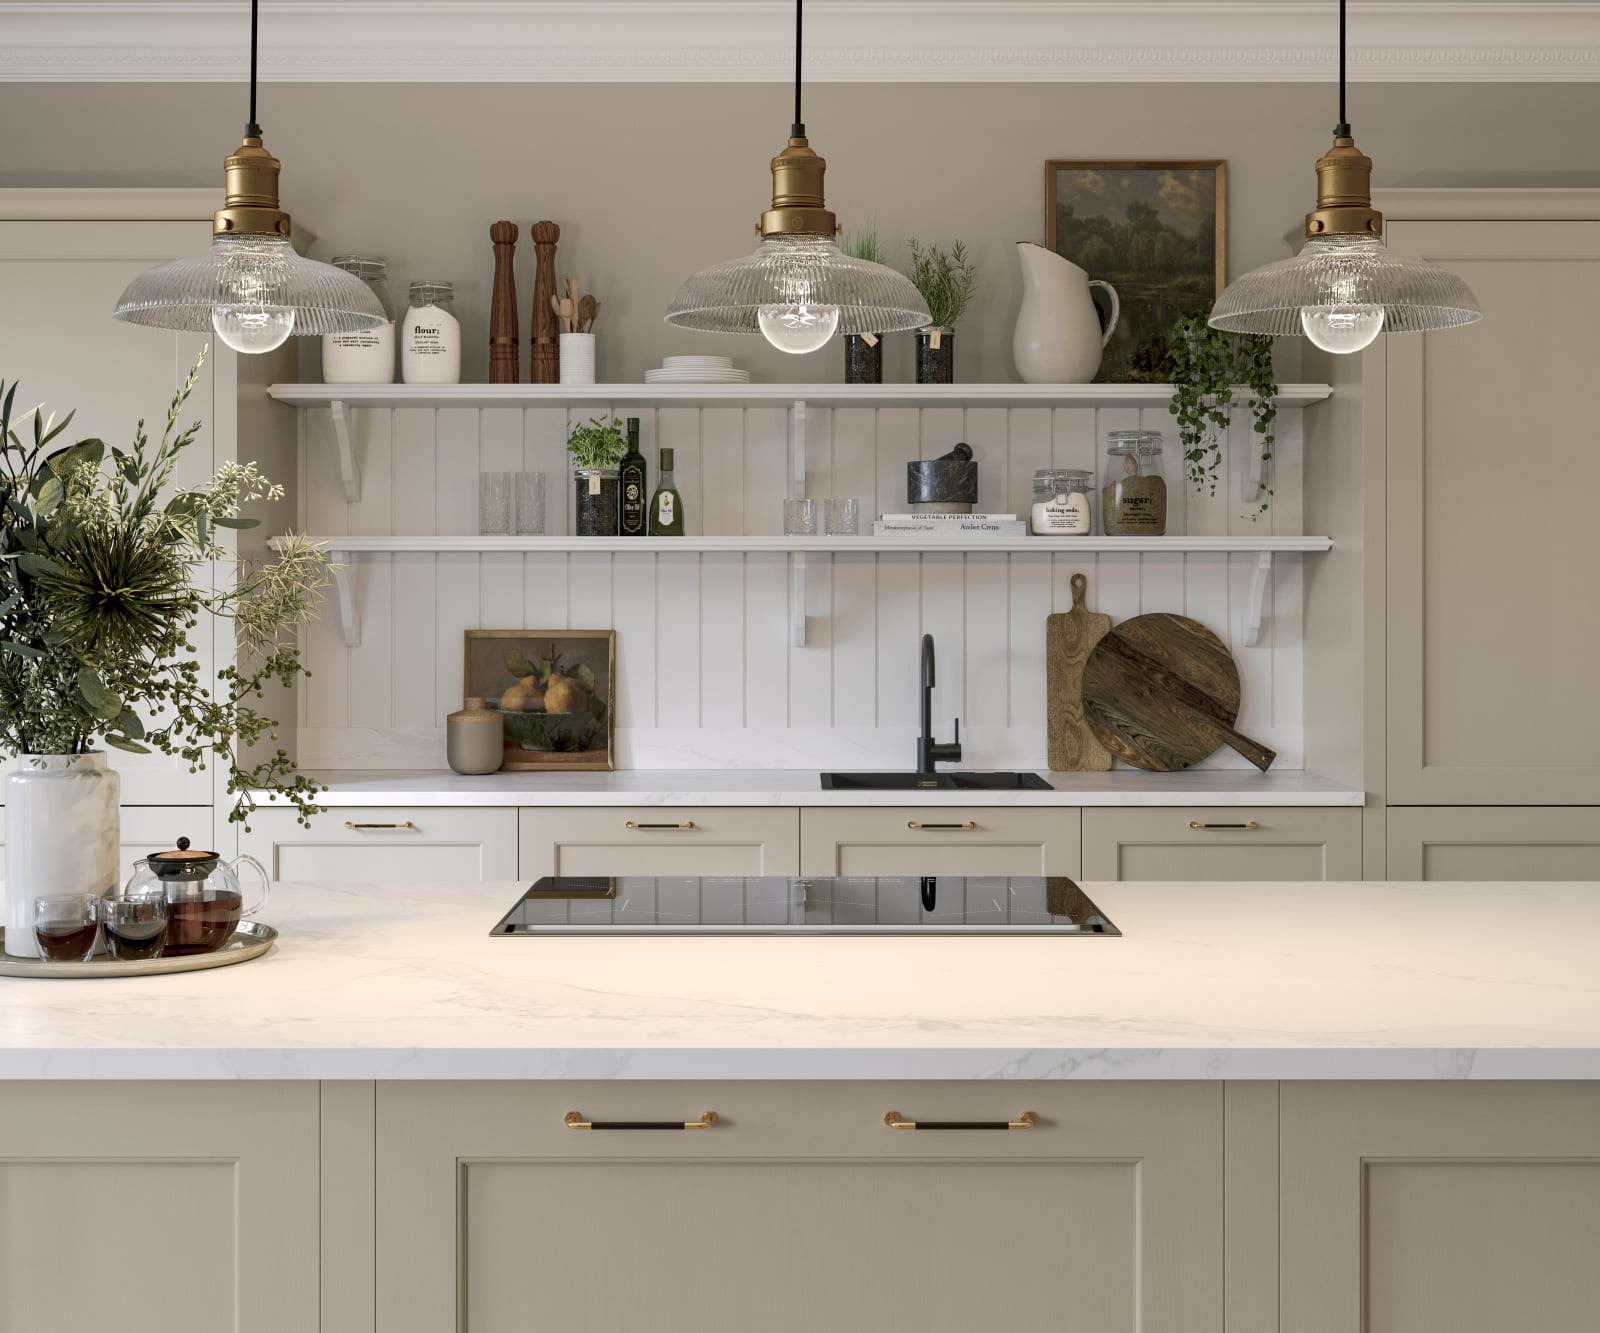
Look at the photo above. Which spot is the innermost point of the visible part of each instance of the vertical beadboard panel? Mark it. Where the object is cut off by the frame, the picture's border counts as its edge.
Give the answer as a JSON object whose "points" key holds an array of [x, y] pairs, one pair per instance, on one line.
{"points": [[722, 673], [500, 449], [987, 634], [633, 609], [458, 581], [371, 661], [722, 463], [986, 433], [589, 590], [373, 513], [677, 641], [1283, 632], [944, 615], [544, 449], [766, 640], [766, 466], [459, 461], [412, 480], [899, 632], [899, 439], [1161, 583], [854, 440], [414, 627], [811, 666], [855, 640], [322, 495], [1025, 660], [1029, 439]]}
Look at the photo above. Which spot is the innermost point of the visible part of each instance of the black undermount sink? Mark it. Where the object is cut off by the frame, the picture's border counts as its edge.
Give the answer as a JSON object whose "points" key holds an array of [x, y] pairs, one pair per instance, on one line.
{"points": [[934, 782]]}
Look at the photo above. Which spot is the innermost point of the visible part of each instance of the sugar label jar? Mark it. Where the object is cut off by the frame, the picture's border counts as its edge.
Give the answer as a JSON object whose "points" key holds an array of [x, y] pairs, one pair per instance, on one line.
{"points": [[1061, 505]]}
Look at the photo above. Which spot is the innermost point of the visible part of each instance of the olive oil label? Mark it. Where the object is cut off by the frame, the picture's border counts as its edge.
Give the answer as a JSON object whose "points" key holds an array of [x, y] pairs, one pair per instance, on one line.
{"points": [[664, 509]]}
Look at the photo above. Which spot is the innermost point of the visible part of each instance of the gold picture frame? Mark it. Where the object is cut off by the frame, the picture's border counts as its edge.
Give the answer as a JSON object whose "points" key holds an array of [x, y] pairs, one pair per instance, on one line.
{"points": [[515, 671], [1184, 203]]}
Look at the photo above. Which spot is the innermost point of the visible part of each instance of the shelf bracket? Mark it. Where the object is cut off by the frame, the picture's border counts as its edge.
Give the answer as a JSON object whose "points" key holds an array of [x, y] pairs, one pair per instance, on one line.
{"points": [[1260, 576], [797, 449], [349, 473], [797, 598], [344, 589]]}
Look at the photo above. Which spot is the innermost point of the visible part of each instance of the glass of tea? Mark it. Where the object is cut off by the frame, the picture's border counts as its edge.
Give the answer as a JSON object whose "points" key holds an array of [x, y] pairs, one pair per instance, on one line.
{"points": [[66, 926], [135, 924]]}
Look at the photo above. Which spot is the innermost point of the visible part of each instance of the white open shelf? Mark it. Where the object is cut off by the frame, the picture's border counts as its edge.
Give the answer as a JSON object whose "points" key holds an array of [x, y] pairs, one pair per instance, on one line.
{"points": [[1264, 548]]}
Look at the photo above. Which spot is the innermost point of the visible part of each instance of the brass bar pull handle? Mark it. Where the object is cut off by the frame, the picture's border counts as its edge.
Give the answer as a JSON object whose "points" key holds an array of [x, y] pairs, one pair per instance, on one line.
{"points": [[1248, 824], [575, 1120], [638, 828], [1027, 1120], [404, 823], [925, 828]]}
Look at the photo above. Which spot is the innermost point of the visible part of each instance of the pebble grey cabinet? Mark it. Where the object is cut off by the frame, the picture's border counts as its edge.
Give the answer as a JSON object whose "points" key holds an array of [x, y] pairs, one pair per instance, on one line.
{"points": [[940, 839], [395, 844], [1512, 843], [658, 840], [1211, 843]]}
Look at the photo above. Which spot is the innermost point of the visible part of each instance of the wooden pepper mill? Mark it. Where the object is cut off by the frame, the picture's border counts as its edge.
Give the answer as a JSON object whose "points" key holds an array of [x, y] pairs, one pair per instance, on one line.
{"points": [[545, 366], [505, 351]]}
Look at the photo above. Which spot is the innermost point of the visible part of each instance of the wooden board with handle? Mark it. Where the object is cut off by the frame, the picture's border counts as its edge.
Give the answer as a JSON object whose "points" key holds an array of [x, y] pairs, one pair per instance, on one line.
{"points": [[1161, 692], [1069, 638]]}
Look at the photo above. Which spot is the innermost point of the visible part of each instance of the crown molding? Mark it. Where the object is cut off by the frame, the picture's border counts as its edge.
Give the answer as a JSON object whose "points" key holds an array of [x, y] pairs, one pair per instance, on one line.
{"points": [[1517, 204], [849, 41]]}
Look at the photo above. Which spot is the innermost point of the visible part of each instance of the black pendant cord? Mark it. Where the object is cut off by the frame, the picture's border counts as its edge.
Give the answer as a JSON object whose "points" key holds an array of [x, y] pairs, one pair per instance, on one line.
{"points": [[1342, 129], [252, 130], [798, 129]]}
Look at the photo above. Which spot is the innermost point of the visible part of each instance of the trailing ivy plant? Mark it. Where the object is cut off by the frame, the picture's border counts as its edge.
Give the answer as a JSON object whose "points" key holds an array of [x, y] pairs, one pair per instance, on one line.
{"points": [[945, 281], [102, 588], [1208, 366], [597, 445]]}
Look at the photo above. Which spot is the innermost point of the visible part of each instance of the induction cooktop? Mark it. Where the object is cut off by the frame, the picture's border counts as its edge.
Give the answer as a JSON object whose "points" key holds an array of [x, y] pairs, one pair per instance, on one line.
{"points": [[777, 905]]}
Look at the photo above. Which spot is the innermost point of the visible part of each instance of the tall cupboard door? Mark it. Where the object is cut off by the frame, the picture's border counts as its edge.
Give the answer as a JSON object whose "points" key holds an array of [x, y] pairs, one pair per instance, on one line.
{"points": [[158, 1207], [1493, 621], [1444, 1207], [60, 345], [800, 1209]]}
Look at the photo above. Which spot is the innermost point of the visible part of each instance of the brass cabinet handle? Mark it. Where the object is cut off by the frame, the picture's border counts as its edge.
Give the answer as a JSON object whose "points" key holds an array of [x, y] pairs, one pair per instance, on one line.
{"points": [[575, 1120], [404, 823], [924, 828], [1027, 1120], [1248, 824], [639, 828]]}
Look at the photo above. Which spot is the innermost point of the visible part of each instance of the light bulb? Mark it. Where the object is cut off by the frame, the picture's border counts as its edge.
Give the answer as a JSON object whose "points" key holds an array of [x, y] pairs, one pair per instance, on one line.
{"points": [[1342, 328], [251, 327], [252, 312], [798, 328]]}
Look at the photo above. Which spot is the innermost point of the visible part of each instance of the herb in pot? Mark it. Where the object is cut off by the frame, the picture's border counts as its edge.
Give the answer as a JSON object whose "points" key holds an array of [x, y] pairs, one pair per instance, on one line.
{"points": [[1208, 367], [945, 281], [597, 445]]}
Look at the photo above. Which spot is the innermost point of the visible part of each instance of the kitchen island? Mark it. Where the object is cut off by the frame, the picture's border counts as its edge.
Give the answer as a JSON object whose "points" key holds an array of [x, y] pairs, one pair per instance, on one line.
{"points": [[1264, 1107]]}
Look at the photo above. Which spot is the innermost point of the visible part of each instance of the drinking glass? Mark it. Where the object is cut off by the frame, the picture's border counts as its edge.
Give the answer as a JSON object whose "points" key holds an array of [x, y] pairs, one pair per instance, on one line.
{"points": [[135, 923], [494, 504], [799, 518], [66, 926], [530, 504], [844, 518]]}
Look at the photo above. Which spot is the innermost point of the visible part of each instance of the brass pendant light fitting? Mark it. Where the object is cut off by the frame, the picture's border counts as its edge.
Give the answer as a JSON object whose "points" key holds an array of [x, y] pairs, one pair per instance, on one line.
{"points": [[250, 207]]}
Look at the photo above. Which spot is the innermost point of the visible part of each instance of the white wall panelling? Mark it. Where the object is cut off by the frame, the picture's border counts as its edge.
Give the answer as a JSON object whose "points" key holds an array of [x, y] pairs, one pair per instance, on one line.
{"points": [[708, 673]]}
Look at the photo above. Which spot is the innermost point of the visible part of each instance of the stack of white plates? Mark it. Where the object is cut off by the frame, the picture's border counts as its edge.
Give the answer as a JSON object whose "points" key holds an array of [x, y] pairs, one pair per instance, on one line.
{"points": [[697, 370]]}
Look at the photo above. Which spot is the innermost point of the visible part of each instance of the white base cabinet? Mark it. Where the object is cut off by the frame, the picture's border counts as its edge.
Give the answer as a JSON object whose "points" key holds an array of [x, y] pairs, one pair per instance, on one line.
{"points": [[385, 843]]}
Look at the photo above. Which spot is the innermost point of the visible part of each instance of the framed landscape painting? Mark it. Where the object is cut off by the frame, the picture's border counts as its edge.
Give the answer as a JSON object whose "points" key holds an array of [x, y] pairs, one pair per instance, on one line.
{"points": [[555, 691], [1156, 231]]}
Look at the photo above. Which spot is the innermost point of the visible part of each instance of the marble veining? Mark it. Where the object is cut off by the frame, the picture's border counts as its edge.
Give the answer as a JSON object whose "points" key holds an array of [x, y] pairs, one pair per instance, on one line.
{"points": [[1239, 981]]}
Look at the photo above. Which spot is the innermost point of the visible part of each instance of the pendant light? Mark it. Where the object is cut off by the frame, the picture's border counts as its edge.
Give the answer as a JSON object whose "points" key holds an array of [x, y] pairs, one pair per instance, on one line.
{"points": [[1346, 286], [250, 288], [798, 289]]}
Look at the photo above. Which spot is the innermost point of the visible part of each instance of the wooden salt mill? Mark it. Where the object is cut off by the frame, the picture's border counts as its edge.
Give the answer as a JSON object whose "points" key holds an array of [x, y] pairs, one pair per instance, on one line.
{"points": [[505, 351], [545, 365]]}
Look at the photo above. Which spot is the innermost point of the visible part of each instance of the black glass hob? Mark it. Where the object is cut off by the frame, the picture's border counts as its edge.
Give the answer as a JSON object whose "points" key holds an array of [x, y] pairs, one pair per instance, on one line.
{"points": [[777, 905]]}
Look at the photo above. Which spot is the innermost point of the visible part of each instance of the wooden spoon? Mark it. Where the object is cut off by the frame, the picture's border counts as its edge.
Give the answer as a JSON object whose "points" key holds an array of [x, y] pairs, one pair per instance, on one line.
{"points": [[588, 308]]}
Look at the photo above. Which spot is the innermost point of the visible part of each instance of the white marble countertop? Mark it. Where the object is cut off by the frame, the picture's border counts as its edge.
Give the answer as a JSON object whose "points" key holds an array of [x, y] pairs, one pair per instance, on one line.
{"points": [[798, 787], [1246, 981]]}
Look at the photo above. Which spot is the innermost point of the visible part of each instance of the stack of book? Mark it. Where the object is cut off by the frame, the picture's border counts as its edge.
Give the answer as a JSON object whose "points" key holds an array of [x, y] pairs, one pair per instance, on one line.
{"points": [[950, 525]]}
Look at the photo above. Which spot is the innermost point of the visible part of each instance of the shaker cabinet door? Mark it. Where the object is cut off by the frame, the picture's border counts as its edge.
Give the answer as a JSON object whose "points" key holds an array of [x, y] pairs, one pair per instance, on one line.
{"points": [[389, 844], [800, 1210], [939, 840], [1216, 843], [1472, 842], [658, 840]]}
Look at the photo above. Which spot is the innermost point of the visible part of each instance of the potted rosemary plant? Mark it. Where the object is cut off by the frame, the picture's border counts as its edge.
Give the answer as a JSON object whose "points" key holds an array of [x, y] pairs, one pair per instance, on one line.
{"points": [[946, 282], [863, 352], [596, 449], [103, 578], [1208, 368]]}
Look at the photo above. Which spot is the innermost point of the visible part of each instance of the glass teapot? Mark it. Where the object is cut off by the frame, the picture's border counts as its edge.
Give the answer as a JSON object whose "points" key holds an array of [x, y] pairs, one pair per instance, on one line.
{"points": [[204, 898]]}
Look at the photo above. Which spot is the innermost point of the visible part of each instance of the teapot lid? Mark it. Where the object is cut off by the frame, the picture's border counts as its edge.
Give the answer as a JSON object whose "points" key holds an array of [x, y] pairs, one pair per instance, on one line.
{"points": [[182, 858]]}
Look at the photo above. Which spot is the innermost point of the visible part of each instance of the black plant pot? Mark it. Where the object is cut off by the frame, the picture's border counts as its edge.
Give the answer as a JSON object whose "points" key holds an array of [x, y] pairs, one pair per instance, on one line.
{"points": [[936, 365], [863, 361]]}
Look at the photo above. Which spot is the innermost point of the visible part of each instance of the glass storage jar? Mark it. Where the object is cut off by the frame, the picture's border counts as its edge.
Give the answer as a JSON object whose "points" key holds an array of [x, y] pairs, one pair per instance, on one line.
{"points": [[597, 496], [1061, 504], [430, 337], [1133, 498], [366, 357]]}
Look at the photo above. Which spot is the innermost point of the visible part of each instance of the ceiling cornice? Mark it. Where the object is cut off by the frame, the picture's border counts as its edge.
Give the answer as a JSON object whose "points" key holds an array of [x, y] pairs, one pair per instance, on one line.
{"points": [[672, 41]]}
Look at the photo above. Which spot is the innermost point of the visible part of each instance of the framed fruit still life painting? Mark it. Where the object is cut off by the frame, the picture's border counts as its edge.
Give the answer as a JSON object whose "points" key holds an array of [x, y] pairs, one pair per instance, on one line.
{"points": [[554, 690]]}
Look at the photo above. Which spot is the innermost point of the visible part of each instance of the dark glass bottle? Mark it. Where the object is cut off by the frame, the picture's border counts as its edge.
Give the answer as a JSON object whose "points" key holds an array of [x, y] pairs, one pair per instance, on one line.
{"points": [[666, 505], [635, 496]]}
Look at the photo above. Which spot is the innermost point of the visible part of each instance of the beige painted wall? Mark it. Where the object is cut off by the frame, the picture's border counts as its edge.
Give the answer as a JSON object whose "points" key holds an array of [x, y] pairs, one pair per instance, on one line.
{"points": [[651, 182]]}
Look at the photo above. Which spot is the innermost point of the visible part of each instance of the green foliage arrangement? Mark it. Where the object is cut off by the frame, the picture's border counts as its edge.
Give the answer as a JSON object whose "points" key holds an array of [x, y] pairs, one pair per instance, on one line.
{"points": [[597, 445], [945, 281], [1208, 365], [864, 244], [99, 596]]}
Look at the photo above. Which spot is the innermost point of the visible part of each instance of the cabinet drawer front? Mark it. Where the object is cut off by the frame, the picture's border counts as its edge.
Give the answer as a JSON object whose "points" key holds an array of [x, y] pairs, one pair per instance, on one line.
{"points": [[1211, 843], [484, 1195], [947, 840], [659, 840], [1520, 842], [386, 843]]}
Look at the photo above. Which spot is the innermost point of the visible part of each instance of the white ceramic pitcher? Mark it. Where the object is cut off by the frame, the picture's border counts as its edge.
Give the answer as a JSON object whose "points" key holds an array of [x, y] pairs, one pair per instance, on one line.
{"points": [[1058, 338]]}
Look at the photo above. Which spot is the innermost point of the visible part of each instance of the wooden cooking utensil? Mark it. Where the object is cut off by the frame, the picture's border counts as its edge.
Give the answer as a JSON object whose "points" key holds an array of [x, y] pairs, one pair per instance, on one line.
{"points": [[544, 366], [1161, 692], [505, 346], [1069, 638], [588, 308]]}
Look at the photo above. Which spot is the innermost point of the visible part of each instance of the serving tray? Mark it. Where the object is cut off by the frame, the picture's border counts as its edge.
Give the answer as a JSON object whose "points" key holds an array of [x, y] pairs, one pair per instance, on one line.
{"points": [[250, 939]]}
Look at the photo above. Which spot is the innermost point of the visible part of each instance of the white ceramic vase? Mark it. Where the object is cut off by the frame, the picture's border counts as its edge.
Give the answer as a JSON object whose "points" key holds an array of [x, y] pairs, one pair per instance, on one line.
{"points": [[1058, 339], [577, 358], [62, 835]]}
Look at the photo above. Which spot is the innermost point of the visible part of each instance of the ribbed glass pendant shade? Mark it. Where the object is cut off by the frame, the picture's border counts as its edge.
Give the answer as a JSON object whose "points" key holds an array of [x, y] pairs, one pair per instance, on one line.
{"points": [[1354, 277], [790, 273], [258, 279]]}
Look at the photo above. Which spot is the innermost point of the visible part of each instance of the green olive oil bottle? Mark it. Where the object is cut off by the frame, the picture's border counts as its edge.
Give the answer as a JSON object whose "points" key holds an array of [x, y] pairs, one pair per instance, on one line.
{"points": [[666, 505], [635, 498]]}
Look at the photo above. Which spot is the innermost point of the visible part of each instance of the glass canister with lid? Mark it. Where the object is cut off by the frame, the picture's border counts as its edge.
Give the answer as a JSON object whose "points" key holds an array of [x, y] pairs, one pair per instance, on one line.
{"points": [[1061, 504], [1133, 498], [430, 339], [366, 357]]}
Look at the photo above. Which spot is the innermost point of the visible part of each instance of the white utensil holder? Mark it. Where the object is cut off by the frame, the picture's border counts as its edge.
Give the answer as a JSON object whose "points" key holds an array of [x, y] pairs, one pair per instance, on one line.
{"points": [[577, 358]]}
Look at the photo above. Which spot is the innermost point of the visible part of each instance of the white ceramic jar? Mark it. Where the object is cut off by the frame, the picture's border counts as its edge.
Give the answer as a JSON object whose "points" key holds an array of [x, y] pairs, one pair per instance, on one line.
{"points": [[430, 336], [62, 835]]}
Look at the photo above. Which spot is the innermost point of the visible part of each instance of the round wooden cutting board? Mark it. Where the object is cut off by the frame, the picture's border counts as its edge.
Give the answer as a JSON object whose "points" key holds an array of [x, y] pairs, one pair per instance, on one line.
{"points": [[1161, 692]]}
